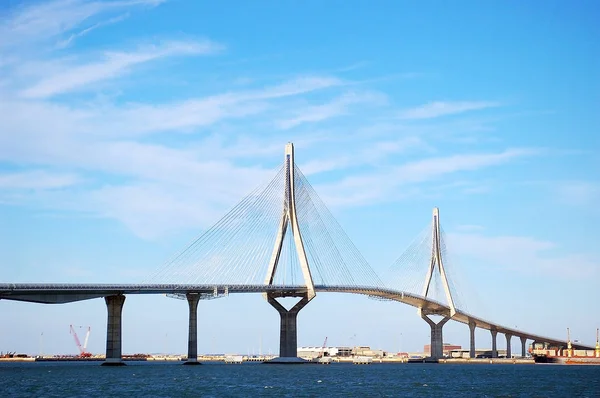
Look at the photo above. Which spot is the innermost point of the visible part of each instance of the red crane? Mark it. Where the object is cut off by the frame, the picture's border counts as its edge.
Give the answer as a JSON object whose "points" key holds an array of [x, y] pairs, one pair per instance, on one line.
{"points": [[322, 352], [82, 350]]}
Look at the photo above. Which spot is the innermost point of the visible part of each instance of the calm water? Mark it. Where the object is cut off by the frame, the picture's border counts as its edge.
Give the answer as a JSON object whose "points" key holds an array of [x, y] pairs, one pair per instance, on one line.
{"points": [[343, 380]]}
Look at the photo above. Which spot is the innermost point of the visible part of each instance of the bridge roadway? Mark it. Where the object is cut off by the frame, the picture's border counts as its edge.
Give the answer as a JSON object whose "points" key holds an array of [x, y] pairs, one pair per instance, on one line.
{"points": [[65, 293]]}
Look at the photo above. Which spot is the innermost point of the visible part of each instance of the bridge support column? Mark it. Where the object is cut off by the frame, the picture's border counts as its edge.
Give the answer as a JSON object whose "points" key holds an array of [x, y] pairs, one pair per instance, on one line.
{"points": [[523, 344], [472, 326], [494, 346], [114, 305], [437, 340], [508, 347], [192, 358], [288, 332]]}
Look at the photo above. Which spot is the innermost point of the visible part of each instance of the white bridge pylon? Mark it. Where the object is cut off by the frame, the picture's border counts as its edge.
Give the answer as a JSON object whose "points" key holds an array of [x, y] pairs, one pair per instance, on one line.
{"points": [[436, 263], [289, 217]]}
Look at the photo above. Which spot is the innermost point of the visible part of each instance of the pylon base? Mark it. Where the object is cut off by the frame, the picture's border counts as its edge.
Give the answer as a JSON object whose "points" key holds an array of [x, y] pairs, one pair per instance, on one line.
{"points": [[287, 361], [113, 363]]}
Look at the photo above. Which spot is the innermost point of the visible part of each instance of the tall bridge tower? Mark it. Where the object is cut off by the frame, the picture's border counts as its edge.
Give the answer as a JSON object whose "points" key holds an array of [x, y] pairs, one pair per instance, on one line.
{"points": [[289, 220], [280, 240], [436, 264]]}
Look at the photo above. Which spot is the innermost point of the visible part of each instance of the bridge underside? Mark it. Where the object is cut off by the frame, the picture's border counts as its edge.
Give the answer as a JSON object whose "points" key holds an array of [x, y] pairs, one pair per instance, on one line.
{"points": [[51, 298], [66, 293]]}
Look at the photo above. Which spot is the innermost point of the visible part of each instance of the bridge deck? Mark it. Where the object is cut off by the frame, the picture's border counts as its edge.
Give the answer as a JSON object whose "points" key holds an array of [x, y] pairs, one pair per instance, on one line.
{"points": [[65, 293]]}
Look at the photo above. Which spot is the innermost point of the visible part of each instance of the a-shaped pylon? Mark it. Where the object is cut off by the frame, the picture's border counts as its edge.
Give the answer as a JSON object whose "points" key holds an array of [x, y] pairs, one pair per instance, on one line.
{"points": [[437, 264], [289, 217], [288, 329]]}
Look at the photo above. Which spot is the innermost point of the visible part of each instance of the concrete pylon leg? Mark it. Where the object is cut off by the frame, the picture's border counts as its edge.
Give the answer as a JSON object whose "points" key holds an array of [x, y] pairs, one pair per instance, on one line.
{"points": [[494, 346], [508, 347], [523, 344], [472, 326], [114, 305], [437, 339], [288, 332], [192, 359]]}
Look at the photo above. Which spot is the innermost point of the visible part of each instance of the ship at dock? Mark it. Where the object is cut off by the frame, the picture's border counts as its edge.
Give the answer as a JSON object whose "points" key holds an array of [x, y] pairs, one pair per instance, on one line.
{"points": [[543, 353]]}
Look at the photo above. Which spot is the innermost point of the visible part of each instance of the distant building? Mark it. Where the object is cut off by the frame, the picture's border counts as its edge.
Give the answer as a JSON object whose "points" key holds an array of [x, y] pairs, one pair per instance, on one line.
{"points": [[479, 353], [314, 352], [448, 348], [344, 352], [367, 352]]}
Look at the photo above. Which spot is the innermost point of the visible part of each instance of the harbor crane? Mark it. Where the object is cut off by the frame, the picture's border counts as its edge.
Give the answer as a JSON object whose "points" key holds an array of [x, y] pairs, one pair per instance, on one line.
{"points": [[322, 352], [82, 350]]}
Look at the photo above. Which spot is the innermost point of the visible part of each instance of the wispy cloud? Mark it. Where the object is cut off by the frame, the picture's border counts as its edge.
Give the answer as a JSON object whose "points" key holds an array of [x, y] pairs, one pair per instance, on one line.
{"points": [[44, 21], [106, 120], [469, 228], [353, 66], [37, 179], [157, 178], [579, 193], [148, 163], [113, 65], [337, 107], [439, 108], [384, 184], [434, 167], [299, 85], [527, 255], [371, 154], [67, 42]]}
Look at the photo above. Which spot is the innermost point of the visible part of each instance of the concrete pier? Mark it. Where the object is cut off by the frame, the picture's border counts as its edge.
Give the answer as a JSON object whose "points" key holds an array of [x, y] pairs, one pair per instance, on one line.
{"points": [[192, 358], [472, 326], [437, 340], [114, 305], [494, 346], [508, 347], [523, 344], [288, 333]]}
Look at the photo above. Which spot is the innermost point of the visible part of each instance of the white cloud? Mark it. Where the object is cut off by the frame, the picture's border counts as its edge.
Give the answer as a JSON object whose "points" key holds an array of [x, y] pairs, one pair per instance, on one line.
{"points": [[299, 85], [337, 107], [152, 210], [68, 41], [162, 190], [66, 134], [113, 65], [36, 179], [164, 166], [469, 228], [393, 146], [137, 119], [182, 115], [527, 255], [430, 168], [579, 193], [384, 184], [368, 154], [440, 108], [44, 21], [322, 165]]}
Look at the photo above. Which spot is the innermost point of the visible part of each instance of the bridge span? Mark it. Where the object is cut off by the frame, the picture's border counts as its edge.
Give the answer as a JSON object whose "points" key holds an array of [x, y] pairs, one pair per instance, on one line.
{"points": [[67, 293], [237, 255]]}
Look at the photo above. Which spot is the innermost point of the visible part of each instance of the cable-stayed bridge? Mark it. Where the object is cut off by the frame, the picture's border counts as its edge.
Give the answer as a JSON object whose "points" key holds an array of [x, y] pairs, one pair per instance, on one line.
{"points": [[282, 241]]}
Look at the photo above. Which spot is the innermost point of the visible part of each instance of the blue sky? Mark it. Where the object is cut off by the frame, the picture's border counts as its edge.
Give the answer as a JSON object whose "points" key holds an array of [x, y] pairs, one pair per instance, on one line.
{"points": [[128, 127]]}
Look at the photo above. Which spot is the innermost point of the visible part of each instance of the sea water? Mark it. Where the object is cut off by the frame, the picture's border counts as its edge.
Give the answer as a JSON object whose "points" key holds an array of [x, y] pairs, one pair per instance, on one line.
{"points": [[143, 379]]}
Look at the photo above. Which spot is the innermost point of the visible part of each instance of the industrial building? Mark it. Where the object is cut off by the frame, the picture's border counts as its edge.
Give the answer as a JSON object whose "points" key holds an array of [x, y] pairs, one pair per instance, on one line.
{"points": [[343, 352], [447, 349]]}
